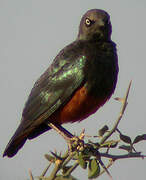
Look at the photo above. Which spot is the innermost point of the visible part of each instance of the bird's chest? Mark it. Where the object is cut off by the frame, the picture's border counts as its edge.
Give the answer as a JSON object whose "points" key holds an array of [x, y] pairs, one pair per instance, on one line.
{"points": [[100, 80], [101, 75], [79, 107]]}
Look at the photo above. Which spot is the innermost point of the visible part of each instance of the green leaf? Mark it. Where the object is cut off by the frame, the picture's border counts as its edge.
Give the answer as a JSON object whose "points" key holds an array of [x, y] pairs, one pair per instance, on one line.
{"points": [[93, 169], [125, 138], [81, 161], [103, 130], [87, 151], [111, 144], [127, 148], [139, 138]]}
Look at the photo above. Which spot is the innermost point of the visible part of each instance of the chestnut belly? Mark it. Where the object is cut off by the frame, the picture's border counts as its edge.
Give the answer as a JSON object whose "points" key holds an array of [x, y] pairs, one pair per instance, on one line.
{"points": [[80, 106]]}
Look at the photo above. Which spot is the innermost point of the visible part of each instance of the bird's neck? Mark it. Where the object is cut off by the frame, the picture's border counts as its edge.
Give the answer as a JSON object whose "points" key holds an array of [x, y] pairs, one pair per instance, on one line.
{"points": [[98, 37]]}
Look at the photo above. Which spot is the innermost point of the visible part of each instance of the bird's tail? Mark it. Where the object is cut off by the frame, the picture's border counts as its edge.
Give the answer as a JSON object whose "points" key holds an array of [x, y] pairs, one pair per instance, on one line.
{"points": [[20, 137], [16, 142]]}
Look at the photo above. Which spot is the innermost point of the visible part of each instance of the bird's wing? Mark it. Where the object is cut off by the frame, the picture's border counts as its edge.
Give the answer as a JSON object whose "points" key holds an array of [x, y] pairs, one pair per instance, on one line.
{"points": [[53, 89]]}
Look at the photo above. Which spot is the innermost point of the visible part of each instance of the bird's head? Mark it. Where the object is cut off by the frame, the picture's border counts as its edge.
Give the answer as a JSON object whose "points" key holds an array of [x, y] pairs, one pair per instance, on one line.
{"points": [[95, 25]]}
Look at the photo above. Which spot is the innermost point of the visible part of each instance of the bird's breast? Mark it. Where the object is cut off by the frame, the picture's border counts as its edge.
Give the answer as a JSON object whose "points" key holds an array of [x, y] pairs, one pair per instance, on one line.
{"points": [[100, 72], [79, 107]]}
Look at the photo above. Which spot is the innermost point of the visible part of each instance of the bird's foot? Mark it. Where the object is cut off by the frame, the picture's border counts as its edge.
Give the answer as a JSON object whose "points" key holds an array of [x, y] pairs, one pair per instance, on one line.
{"points": [[76, 142]]}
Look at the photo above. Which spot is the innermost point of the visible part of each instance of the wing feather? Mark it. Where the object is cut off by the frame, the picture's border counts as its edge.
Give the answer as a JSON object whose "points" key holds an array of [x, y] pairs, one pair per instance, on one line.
{"points": [[53, 89]]}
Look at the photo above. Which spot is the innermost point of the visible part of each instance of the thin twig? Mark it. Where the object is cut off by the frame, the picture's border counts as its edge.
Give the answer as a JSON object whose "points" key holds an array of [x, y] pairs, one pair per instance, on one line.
{"points": [[55, 170], [71, 169], [31, 176], [69, 157], [46, 169], [124, 156], [108, 166], [105, 169], [124, 104]]}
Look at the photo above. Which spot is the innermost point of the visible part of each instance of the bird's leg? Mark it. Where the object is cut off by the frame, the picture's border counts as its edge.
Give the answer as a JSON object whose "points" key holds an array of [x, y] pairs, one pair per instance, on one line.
{"points": [[62, 131], [70, 139]]}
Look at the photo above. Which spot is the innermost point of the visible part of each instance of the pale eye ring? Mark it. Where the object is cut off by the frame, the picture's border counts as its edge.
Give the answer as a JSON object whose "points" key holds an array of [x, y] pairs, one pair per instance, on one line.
{"points": [[88, 22]]}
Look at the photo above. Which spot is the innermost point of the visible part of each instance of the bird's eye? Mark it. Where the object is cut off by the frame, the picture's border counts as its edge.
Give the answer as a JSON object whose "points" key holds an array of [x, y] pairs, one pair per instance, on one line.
{"points": [[88, 22]]}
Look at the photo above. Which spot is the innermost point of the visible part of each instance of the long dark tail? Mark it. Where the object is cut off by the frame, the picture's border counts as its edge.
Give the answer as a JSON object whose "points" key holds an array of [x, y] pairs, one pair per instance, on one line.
{"points": [[19, 138], [15, 143]]}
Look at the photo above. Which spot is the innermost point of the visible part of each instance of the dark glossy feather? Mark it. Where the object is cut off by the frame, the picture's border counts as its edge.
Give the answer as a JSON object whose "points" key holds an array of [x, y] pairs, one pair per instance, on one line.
{"points": [[90, 64], [50, 91]]}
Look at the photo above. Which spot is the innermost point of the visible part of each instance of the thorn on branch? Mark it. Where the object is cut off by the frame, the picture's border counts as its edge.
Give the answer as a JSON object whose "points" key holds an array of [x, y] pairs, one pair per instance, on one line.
{"points": [[30, 174]]}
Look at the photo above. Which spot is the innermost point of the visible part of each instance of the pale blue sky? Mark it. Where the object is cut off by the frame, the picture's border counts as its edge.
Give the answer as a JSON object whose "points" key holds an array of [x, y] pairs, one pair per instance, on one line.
{"points": [[31, 34]]}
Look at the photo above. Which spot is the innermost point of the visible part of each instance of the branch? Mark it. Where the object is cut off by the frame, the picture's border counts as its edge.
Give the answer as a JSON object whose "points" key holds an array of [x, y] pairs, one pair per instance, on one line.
{"points": [[124, 104], [124, 156], [31, 176], [89, 155]]}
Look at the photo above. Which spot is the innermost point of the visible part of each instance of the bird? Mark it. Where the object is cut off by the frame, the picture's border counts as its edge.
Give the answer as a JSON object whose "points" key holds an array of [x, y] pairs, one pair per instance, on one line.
{"points": [[80, 80]]}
